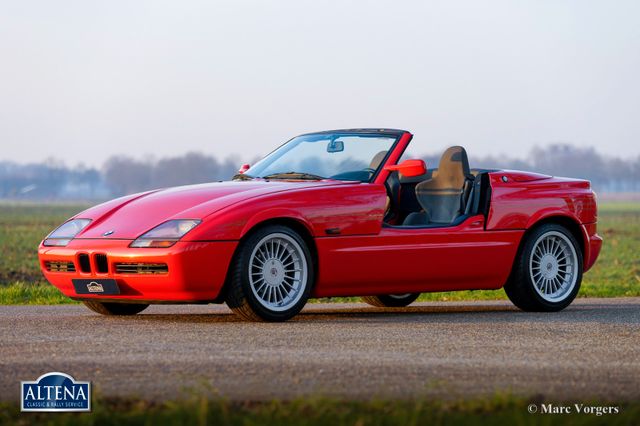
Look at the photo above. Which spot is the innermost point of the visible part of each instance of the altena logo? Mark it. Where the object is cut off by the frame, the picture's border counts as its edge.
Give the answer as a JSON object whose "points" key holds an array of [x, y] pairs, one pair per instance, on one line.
{"points": [[55, 392]]}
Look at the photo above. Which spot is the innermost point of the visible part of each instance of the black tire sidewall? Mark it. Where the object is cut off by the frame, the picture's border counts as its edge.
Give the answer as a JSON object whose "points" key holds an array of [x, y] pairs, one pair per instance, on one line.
{"points": [[114, 308], [242, 263], [394, 302], [537, 302]]}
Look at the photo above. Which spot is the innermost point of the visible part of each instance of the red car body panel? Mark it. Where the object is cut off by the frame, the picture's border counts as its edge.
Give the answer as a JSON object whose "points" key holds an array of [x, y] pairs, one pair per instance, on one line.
{"points": [[347, 208], [147, 210], [519, 203], [397, 260], [520, 200], [192, 275], [355, 254]]}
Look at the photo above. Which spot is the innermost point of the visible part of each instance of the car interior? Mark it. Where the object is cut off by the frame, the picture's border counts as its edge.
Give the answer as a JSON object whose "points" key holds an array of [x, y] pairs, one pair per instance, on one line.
{"points": [[440, 197]]}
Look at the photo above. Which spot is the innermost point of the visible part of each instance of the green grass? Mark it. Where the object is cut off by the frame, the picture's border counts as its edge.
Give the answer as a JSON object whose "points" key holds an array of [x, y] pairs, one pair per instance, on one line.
{"points": [[20, 293], [499, 410], [617, 271], [22, 226]]}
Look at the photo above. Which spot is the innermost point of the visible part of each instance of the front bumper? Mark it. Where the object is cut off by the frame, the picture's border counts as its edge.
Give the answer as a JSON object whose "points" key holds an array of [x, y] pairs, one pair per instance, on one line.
{"points": [[196, 271]]}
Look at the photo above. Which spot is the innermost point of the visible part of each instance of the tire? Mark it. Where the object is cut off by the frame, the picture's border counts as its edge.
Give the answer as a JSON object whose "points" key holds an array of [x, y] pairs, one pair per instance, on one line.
{"points": [[276, 294], [391, 300], [547, 272], [106, 308]]}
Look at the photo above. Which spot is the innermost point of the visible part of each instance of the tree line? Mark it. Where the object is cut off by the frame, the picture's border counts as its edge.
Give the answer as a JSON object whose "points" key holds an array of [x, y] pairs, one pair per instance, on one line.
{"points": [[119, 175]]}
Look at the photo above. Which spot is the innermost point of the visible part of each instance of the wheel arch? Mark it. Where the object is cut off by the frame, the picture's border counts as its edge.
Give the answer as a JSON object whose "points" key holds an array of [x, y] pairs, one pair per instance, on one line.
{"points": [[568, 222], [515, 291], [295, 224]]}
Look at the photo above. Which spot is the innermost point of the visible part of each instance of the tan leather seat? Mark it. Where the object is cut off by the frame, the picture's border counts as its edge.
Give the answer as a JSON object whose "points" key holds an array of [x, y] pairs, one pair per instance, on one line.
{"points": [[441, 196], [377, 160]]}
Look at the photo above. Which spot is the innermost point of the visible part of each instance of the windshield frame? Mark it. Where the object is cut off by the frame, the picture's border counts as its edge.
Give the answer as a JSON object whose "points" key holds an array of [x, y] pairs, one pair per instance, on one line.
{"points": [[394, 134]]}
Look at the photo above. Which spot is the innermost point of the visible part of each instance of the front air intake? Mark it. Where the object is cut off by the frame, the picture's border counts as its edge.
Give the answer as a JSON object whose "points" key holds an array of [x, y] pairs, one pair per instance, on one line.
{"points": [[142, 268], [59, 266], [84, 262], [102, 264]]}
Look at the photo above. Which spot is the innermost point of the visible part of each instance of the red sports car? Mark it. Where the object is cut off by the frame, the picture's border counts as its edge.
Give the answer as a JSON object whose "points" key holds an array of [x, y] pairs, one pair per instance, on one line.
{"points": [[332, 214]]}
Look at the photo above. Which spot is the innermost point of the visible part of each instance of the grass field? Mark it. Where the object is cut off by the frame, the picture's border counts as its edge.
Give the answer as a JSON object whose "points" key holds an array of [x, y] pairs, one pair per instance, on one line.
{"points": [[22, 226], [499, 410]]}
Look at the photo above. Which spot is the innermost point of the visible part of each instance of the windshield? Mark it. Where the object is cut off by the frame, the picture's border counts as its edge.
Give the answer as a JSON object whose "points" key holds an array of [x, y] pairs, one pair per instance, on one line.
{"points": [[328, 155]]}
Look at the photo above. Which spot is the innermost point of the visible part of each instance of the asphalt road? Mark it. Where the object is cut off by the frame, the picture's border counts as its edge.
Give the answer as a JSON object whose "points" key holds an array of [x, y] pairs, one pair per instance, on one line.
{"points": [[447, 350]]}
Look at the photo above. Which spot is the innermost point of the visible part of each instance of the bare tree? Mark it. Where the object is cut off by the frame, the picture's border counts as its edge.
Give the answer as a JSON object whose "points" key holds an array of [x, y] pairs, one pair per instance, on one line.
{"points": [[569, 160], [124, 175]]}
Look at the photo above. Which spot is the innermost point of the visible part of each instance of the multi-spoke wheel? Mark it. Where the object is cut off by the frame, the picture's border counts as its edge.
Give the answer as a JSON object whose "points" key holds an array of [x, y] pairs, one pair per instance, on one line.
{"points": [[278, 272], [553, 265], [391, 300], [548, 270], [272, 275]]}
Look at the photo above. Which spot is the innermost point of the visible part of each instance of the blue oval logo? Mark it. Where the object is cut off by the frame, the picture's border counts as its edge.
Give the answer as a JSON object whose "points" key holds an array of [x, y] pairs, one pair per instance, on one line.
{"points": [[55, 392]]}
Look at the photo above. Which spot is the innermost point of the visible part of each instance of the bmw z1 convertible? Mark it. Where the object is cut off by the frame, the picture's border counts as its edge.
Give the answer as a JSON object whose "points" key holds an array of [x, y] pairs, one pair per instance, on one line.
{"points": [[332, 214]]}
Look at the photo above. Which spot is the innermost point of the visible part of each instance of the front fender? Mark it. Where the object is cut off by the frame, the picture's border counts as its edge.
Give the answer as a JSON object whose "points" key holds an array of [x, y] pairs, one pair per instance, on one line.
{"points": [[345, 209], [276, 213]]}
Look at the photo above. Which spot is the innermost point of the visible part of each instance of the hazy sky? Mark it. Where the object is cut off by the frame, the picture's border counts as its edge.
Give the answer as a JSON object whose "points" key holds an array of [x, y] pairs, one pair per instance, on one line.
{"points": [[82, 80]]}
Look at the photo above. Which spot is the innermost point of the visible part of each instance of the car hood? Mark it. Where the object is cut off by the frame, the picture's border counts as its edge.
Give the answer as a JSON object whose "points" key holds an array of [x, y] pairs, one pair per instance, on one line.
{"points": [[129, 217]]}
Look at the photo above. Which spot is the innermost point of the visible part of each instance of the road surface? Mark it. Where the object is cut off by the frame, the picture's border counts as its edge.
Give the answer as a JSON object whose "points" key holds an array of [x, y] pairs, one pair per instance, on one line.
{"points": [[441, 350]]}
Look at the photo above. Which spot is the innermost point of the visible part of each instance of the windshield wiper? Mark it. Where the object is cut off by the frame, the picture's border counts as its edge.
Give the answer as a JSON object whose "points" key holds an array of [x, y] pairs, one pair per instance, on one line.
{"points": [[241, 176], [293, 175]]}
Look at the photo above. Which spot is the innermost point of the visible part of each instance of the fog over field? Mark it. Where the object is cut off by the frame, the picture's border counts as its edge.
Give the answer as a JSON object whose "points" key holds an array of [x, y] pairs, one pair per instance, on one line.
{"points": [[121, 175]]}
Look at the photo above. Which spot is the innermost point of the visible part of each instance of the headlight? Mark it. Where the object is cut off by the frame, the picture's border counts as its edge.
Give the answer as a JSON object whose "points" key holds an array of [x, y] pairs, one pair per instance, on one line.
{"points": [[166, 234], [66, 232]]}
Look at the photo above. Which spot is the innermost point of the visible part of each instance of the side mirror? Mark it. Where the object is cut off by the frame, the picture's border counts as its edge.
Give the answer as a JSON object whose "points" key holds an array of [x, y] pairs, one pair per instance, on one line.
{"points": [[243, 168], [409, 168]]}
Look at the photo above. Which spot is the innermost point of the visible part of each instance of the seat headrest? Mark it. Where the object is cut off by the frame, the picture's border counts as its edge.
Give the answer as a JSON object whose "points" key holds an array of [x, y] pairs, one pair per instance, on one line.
{"points": [[377, 159], [454, 159]]}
